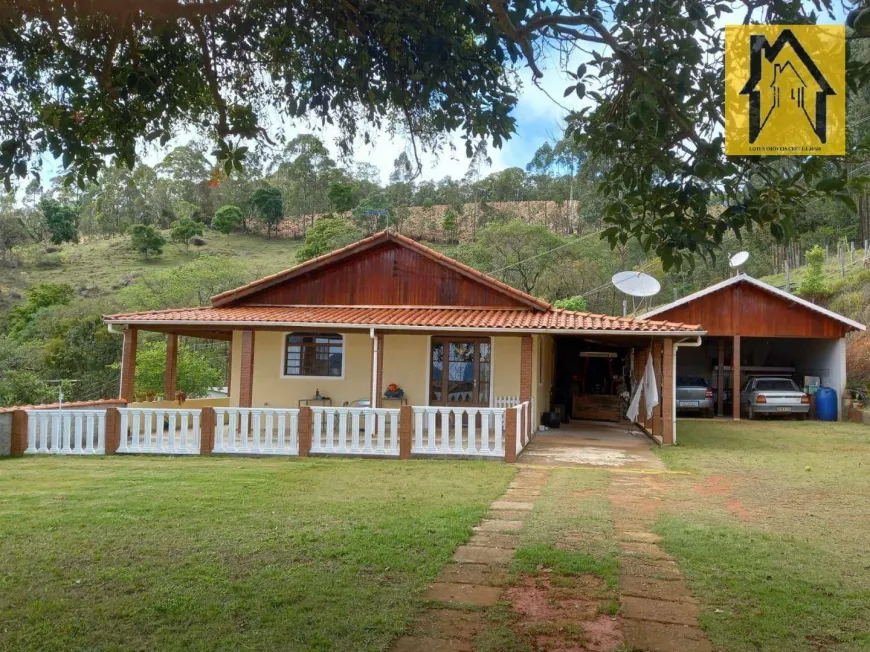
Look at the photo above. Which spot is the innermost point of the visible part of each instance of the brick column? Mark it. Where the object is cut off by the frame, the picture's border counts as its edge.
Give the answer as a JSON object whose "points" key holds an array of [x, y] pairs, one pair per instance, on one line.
{"points": [[169, 382], [656, 428], [735, 379], [526, 371], [406, 427], [113, 430], [305, 426], [207, 421], [19, 433], [128, 364], [246, 373], [510, 436], [720, 384], [667, 402]]}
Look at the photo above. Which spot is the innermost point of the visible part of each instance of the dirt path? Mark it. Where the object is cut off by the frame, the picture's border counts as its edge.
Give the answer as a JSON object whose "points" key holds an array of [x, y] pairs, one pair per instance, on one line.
{"points": [[659, 611]]}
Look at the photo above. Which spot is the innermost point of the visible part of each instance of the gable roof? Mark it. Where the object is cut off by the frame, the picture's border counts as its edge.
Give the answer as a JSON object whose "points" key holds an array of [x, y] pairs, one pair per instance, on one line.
{"points": [[383, 237], [743, 278]]}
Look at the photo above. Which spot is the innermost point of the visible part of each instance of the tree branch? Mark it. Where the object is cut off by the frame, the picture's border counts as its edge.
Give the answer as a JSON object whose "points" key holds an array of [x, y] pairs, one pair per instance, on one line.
{"points": [[211, 77]]}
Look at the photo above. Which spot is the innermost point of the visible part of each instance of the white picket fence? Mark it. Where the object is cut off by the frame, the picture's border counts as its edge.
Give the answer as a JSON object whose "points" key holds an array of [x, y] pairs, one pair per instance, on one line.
{"points": [[525, 419], [355, 431], [256, 431], [66, 432], [458, 431], [160, 431]]}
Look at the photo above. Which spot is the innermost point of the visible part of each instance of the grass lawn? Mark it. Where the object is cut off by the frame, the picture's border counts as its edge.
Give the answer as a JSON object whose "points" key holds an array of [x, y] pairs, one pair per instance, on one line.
{"points": [[202, 554], [772, 530]]}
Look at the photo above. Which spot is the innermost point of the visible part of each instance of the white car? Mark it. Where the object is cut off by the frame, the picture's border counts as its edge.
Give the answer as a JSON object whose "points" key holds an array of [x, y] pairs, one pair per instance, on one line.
{"points": [[773, 397]]}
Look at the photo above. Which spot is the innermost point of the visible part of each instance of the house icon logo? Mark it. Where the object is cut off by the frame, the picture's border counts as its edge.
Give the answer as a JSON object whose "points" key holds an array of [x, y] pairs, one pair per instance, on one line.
{"points": [[785, 90]]}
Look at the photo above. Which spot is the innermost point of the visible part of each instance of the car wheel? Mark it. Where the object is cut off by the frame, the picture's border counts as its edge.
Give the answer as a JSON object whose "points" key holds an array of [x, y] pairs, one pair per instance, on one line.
{"points": [[750, 414], [708, 413]]}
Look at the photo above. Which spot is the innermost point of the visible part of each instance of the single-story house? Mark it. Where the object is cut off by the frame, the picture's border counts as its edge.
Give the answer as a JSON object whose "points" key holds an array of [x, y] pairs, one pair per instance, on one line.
{"points": [[754, 328], [387, 311]]}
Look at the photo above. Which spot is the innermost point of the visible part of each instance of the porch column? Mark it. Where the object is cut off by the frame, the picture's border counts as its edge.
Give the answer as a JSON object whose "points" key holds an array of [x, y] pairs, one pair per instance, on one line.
{"points": [[720, 384], [667, 403], [169, 382], [128, 364], [377, 368], [735, 379], [657, 368], [246, 373], [526, 371]]}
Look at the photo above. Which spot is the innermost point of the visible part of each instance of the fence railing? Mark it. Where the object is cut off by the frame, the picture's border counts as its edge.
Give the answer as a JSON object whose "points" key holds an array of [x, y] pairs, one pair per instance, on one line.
{"points": [[355, 431], [458, 431], [256, 431], [161, 431], [525, 424], [66, 432]]}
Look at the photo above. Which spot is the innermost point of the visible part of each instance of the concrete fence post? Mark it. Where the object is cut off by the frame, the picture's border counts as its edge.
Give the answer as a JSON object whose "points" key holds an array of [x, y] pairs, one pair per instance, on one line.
{"points": [[207, 421], [510, 436], [406, 425], [113, 430], [305, 427]]}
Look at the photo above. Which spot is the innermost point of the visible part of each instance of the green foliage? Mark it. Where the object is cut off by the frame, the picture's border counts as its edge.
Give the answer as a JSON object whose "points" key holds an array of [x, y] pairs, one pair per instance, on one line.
{"points": [[577, 303], [342, 196], [269, 204], [61, 222], [450, 225], [196, 373], [20, 380], [12, 234], [37, 298], [186, 285], [227, 219], [326, 235], [184, 229], [812, 285], [146, 240]]}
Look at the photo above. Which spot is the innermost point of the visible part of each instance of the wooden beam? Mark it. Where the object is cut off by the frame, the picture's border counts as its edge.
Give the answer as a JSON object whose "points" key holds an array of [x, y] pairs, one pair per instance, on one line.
{"points": [[246, 374], [171, 374], [735, 379], [720, 384], [667, 402], [128, 364]]}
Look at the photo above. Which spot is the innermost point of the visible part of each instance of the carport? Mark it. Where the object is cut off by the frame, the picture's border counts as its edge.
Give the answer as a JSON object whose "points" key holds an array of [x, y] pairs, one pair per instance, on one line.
{"points": [[754, 328]]}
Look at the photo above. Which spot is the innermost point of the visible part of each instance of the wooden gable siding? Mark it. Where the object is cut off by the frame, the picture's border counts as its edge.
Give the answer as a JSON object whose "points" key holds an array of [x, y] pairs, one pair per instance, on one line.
{"points": [[746, 310], [387, 275]]}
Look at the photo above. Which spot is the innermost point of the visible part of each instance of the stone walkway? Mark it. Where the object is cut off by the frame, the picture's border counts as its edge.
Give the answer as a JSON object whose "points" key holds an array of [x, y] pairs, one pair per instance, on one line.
{"points": [[659, 611], [476, 575]]}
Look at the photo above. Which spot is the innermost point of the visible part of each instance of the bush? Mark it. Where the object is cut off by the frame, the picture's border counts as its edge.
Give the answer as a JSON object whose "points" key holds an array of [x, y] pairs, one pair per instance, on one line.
{"points": [[146, 240], [327, 234], [850, 304], [577, 303]]}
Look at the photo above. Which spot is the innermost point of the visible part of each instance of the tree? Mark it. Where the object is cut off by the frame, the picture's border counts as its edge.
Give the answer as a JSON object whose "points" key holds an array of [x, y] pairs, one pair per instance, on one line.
{"points": [[450, 225], [37, 298], [269, 204], [343, 196], [227, 219], [183, 230], [577, 303], [146, 240], [186, 285], [12, 234], [195, 372], [812, 285], [327, 234], [61, 221]]}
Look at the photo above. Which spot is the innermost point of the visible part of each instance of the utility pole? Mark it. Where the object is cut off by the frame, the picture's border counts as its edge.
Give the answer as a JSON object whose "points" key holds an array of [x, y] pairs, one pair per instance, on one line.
{"points": [[787, 276]]}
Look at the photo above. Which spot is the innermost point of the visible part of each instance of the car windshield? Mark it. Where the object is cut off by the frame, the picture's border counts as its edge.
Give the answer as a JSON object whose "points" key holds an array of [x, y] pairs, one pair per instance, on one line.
{"points": [[690, 381], [776, 385]]}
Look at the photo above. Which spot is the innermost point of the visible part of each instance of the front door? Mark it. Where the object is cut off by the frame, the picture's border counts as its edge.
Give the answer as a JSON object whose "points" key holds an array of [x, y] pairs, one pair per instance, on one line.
{"points": [[460, 371]]}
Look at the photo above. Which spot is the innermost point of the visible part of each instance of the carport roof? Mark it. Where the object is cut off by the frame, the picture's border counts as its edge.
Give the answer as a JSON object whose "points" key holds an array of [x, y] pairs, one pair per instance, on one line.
{"points": [[743, 278]]}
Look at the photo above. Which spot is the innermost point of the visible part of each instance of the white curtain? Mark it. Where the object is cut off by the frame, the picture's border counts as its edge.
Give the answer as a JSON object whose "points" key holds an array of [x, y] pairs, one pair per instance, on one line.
{"points": [[648, 387]]}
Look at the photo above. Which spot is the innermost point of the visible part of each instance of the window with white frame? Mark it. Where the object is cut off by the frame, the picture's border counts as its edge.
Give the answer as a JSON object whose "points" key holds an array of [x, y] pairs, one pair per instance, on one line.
{"points": [[313, 354]]}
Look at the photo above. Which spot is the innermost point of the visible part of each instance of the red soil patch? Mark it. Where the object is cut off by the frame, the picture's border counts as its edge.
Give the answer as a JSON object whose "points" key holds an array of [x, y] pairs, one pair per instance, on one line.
{"points": [[735, 506], [584, 493], [715, 485]]}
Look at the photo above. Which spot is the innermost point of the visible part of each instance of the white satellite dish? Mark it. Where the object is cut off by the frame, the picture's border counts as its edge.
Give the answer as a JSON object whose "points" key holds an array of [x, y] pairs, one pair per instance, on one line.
{"points": [[636, 284], [738, 259]]}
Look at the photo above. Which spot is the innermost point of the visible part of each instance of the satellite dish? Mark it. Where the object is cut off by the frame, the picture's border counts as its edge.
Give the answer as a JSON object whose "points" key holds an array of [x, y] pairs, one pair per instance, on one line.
{"points": [[636, 284], [738, 259]]}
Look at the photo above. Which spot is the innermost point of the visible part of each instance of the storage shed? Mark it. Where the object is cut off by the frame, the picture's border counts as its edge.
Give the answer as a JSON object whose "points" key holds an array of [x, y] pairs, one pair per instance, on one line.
{"points": [[754, 328]]}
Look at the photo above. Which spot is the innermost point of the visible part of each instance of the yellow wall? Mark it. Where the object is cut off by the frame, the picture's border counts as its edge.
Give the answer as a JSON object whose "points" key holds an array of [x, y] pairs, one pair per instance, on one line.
{"points": [[273, 390], [189, 404], [406, 361], [506, 355], [543, 346]]}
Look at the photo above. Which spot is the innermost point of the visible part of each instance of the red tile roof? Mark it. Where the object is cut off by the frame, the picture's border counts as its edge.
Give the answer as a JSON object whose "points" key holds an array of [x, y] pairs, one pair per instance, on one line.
{"points": [[334, 257], [410, 317]]}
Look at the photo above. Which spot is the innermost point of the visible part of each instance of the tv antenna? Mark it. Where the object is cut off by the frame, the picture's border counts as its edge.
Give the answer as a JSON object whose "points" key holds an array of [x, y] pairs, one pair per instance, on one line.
{"points": [[738, 259], [60, 382], [635, 284]]}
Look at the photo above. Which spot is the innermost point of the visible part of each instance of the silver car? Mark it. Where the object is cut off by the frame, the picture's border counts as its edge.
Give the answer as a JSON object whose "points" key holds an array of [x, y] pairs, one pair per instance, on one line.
{"points": [[773, 397], [694, 394]]}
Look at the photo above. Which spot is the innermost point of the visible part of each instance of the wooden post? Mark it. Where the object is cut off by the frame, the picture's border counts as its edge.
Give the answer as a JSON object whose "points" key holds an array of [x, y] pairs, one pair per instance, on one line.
{"points": [[171, 375], [526, 371], [735, 379], [657, 368], [668, 372], [305, 425], [113, 430], [720, 381], [19, 433], [510, 435], [787, 276], [128, 364], [246, 373], [207, 422], [406, 426]]}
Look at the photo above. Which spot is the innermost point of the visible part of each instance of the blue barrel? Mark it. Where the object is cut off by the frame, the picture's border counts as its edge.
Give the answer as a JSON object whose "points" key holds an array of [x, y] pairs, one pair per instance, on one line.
{"points": [[826, 404]]}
